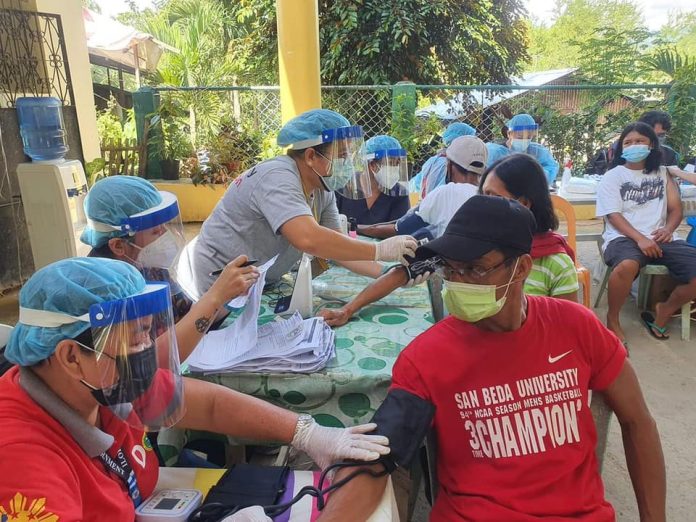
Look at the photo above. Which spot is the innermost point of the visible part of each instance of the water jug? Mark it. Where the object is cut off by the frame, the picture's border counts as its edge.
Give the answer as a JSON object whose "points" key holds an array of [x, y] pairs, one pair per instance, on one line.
{"points": [[42, 129]]}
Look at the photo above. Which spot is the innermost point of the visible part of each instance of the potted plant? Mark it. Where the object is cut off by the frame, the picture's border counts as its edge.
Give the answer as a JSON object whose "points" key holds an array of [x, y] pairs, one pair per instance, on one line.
{"points": [[176, 147]]}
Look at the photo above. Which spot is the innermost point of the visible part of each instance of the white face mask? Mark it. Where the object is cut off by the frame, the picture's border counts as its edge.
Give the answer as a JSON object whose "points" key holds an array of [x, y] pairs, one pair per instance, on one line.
{"points": [[520, 145], [388, 176], [161, 253]]}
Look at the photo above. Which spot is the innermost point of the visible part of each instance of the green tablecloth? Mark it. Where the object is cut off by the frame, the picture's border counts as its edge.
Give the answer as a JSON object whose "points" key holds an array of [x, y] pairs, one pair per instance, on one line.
{"points": [[353, 385], [355, 382]]}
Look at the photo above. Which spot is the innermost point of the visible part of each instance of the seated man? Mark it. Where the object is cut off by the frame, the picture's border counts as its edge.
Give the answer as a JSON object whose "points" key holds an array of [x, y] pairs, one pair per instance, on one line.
{"points": [[466, 161], [432, 173], [522, 131], [506, 390], [661, 122], [93, 377]]}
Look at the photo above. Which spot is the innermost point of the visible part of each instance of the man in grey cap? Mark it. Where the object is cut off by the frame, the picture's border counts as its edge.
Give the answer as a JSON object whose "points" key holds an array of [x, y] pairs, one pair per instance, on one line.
{"points": [[466, 161], [504, 382]]}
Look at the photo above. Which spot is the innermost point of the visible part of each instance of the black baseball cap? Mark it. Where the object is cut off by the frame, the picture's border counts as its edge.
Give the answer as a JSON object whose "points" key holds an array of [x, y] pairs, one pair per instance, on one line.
{"points": [[482, 224]]}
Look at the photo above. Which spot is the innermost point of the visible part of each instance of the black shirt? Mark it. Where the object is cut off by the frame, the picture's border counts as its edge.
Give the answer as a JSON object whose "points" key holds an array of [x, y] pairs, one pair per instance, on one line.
{"points": [[385, 208]]}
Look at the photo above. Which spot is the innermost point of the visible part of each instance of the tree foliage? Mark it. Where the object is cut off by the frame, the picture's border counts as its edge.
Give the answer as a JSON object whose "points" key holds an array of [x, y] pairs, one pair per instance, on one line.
{"points": [[612, 55], [577, 25], [378, 41]]}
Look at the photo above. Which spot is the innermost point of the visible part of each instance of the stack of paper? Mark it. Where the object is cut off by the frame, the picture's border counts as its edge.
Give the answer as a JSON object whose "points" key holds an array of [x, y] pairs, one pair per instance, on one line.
{"points": [[291, 345]]}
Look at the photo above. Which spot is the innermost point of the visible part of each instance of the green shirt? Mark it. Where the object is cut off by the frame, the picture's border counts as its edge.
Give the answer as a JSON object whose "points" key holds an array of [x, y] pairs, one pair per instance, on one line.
{"points": [[552, 276]]}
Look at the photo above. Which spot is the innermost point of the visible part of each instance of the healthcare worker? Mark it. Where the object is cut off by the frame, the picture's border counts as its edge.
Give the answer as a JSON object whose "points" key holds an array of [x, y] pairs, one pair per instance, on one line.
{"points": [[388, 169], [91, 380], [434, 170], [286, 206], [522, 130], [130, 220]]}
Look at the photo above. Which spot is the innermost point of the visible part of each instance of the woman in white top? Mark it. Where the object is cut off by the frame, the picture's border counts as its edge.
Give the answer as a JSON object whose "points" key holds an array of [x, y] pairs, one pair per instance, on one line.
{"points": [[641, 208]]}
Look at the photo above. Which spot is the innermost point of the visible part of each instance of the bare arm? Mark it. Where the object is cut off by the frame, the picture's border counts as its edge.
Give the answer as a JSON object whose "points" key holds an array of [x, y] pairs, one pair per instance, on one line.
{"points": [[357, 500], [381, 231], [306, 235], [371, 269], [233, 281], [682, 174], [217, 409], [375, 291], [641, 441]]}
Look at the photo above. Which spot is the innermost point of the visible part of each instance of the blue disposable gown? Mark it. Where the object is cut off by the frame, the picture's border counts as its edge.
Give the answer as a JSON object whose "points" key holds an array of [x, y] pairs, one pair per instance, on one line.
{"points": [[536, 150]]}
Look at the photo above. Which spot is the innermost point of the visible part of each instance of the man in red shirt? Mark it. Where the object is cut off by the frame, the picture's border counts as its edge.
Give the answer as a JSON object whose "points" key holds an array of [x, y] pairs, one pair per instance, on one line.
{"points": [[509, 377]]}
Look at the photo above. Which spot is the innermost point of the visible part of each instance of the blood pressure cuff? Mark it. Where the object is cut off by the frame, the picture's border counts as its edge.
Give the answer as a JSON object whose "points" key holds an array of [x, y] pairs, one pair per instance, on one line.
{"points": [[423, 266], [410, 223], [405, 419], [245, 485]]}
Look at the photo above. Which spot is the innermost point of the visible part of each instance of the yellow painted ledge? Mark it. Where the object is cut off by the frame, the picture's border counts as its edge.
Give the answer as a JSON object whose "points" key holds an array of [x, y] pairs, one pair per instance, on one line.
{"points": [[195, 202]]}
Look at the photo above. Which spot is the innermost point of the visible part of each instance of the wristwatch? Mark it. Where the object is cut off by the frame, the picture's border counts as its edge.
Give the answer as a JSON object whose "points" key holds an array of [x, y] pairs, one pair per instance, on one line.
{"points": [[304, 421]]}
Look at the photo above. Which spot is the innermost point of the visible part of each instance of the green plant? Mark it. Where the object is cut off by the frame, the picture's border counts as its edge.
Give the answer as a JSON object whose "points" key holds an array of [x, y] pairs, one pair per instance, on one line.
{"points": [[94, 170], [682, 107]]}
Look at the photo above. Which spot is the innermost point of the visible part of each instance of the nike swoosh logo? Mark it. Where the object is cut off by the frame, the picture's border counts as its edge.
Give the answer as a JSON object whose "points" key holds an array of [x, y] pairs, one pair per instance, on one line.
{"points": [[558, 357]]}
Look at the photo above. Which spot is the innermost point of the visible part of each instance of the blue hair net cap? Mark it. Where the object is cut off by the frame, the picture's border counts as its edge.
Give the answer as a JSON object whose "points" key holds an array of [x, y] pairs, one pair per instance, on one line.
{"points": [[520, 121], [381, 142], [310, 125], [113, 199], [69, 287], [455, 130]]}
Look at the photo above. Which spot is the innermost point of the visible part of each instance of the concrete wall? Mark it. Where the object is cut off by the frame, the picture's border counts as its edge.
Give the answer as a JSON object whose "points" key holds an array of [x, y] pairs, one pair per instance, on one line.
{"points": [[80, 72], [16, 263]]}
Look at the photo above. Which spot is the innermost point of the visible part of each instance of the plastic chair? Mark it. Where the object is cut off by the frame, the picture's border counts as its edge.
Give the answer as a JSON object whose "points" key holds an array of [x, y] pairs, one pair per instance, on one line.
{"points": [[561, 206], [644, 282], [5, 331]]}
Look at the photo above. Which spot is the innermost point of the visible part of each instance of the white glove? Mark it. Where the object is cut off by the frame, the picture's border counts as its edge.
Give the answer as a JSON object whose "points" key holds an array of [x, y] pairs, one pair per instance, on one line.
{"points": [[250, 514], [327, 446], [395, 248], [422, 278]]}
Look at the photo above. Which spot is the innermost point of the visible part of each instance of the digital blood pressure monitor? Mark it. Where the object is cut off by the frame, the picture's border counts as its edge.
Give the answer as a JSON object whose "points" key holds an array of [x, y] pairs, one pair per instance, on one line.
{"points": [[169, 505]]}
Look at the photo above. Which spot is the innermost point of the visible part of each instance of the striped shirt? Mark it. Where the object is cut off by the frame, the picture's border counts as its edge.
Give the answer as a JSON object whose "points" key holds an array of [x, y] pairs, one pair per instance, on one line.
{"points": [[552, 276]]}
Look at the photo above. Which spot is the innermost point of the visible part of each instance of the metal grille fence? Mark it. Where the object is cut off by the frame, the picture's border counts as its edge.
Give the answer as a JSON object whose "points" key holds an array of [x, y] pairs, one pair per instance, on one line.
{"points": [[33, 59], [576, 120]]}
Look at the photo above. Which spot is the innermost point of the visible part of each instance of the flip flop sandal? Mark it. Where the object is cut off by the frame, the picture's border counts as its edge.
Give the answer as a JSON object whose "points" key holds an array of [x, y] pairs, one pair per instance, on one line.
{"points": [[649, 322]]}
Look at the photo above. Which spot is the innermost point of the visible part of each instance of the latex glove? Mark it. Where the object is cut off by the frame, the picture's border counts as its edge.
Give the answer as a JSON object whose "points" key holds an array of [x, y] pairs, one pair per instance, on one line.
{"points": [[421, 278], [250, 514], [395, 248], [327, 446]]}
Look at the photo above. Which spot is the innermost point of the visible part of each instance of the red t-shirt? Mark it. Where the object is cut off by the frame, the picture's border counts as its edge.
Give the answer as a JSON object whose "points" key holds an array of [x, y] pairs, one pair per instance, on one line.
{"points": [[45, 472], [515, 436]]}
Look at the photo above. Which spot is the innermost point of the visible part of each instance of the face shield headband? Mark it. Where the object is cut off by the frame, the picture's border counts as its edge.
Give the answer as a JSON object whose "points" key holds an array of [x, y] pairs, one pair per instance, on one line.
{"points": [[136, 355]]}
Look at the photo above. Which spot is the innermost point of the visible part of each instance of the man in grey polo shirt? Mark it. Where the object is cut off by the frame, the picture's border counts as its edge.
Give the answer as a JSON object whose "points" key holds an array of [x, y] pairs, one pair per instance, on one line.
{"points": [[286, 206]]}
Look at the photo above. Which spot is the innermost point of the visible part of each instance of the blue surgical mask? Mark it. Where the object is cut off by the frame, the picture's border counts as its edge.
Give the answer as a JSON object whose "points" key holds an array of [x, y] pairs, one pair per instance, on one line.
{"points": [[520, 145], [635, 153]]}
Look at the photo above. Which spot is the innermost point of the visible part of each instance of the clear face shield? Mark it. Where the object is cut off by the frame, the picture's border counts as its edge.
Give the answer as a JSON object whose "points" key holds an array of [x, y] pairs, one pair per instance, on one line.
{"points": [[522, 136], [137, 372], [157, 235], [390, 170], [135, 369], [348, 174]]}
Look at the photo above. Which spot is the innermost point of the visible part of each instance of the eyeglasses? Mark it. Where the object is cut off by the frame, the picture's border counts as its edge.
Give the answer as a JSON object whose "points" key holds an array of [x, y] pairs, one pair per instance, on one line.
{"points": [[473, 272]]}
